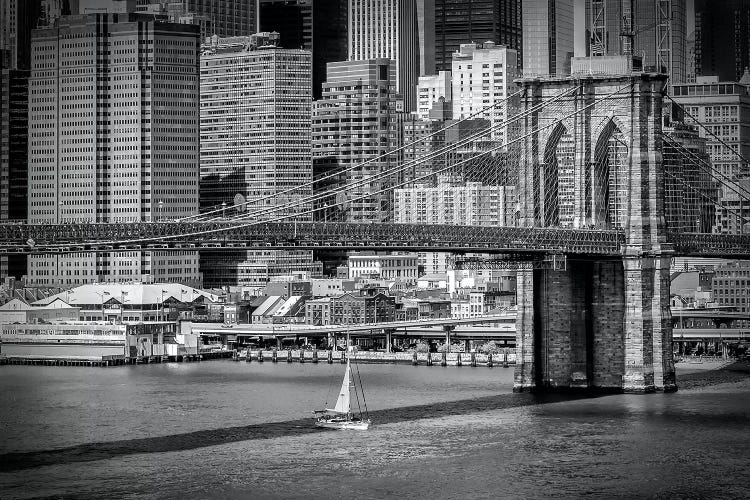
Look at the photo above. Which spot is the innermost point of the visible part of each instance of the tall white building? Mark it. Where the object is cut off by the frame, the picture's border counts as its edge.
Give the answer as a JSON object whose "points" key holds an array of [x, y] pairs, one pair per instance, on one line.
{"points": [[430, 89], [548, 41], [113, 137], [255, 126], [482, 75], [387, 29]]}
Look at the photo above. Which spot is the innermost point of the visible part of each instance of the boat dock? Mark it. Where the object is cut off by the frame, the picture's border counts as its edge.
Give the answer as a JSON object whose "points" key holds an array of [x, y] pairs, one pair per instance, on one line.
{"points": [[114, 360], [505, 358]]}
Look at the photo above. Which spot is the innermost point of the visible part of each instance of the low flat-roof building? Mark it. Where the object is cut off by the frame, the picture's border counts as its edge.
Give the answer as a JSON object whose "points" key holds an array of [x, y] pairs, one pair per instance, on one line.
{"points": [[134, 302]]}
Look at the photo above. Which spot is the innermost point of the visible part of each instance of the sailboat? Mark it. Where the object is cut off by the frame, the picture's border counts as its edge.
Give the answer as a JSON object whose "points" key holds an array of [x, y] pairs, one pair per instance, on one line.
{"points": [[340, 416]]}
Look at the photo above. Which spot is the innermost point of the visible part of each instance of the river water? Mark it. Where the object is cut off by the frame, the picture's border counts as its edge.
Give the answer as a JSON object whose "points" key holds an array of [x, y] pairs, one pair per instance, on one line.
{"points": [[223, 429]]}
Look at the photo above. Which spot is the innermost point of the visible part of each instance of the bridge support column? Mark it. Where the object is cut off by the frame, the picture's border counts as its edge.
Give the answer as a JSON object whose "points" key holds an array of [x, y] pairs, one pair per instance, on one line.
{"points": [[525, 370], [608, 310], [649, 362], [448, 329], [569, 332]]}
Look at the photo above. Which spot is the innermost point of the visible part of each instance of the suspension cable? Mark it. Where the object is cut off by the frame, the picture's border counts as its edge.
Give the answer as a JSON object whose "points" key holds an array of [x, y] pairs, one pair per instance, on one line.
{"points": [[362, 164]]}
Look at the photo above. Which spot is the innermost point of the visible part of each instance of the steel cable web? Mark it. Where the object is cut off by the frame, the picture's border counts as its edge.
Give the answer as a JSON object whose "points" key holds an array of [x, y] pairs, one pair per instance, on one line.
{"points": [[477, 141]]}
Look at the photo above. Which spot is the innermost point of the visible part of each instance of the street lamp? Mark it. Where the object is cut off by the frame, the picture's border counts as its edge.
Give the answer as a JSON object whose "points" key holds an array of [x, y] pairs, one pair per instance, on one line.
{"points": [[223, 209], [60, 205], [161, 207]]}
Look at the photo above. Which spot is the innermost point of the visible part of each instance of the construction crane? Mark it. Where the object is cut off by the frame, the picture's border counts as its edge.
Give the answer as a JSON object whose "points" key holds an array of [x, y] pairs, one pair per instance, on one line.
{"points": [[628, 29]]}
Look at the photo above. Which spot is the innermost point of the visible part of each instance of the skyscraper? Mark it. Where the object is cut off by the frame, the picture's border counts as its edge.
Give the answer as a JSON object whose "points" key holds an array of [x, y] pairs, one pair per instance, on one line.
{"points": [[547, 37], [653, 29], [475, 21], [426, 36], [255, 139], [320, 27], [17, 19], [255, 123], [356, 121], [388, 29], [722, 38], [113, 120]]}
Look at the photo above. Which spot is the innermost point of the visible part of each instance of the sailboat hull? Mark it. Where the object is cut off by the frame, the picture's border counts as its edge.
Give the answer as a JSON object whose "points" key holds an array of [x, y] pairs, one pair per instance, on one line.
{"points": [[340, 416], [344, 425]]}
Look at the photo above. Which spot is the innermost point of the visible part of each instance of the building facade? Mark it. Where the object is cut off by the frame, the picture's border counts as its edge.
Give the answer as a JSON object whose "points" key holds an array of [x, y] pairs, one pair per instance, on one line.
{"points": [[17, 19], [460, 22], [14, 134], [456, 203], [426, 36], [318, 311], [430, 89], [320, 27], [387, 29], [722, 38], [403, 267], [224, 18], [113, 137], [422, 138], [688, 185], [255, 124], [356, 122], [547, 37], [482, 75], [731, 286], [724, 109], [252, 270], [352, 309]]}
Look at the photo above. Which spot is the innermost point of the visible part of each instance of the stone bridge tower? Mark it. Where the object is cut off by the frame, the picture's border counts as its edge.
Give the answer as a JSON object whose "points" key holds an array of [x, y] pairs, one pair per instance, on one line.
{"points": [[594, 160]]}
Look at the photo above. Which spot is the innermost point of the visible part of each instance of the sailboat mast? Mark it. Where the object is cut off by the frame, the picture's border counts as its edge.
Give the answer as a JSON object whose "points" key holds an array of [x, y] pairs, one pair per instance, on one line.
{"points": [[351, 383], [362, 389]]}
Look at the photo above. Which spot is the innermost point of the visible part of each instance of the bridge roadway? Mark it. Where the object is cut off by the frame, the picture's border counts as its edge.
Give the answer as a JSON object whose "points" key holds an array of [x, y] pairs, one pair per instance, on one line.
{"points": [[503, 328], [503, 323], [230, 235]]}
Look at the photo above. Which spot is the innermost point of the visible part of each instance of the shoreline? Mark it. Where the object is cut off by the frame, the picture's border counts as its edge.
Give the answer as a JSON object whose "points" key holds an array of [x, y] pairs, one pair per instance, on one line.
{"points": [[730, 373]]}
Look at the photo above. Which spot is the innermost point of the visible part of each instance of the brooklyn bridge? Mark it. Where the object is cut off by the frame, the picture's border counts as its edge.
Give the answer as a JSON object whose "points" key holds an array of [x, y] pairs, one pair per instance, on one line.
{"points": [[604, 194]]}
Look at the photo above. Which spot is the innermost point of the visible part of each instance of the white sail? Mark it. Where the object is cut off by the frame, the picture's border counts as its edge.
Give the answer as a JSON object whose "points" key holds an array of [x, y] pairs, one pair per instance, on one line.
{"points": [[343, 402]]}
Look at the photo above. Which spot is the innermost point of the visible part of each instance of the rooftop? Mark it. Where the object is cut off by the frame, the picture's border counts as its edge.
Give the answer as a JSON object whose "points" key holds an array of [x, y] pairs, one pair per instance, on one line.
{"points": [[131, 293]]}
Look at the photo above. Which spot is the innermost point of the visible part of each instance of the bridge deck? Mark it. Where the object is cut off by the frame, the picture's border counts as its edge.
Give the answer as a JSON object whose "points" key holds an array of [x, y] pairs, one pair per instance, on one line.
{"points": [[228, 235]]}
